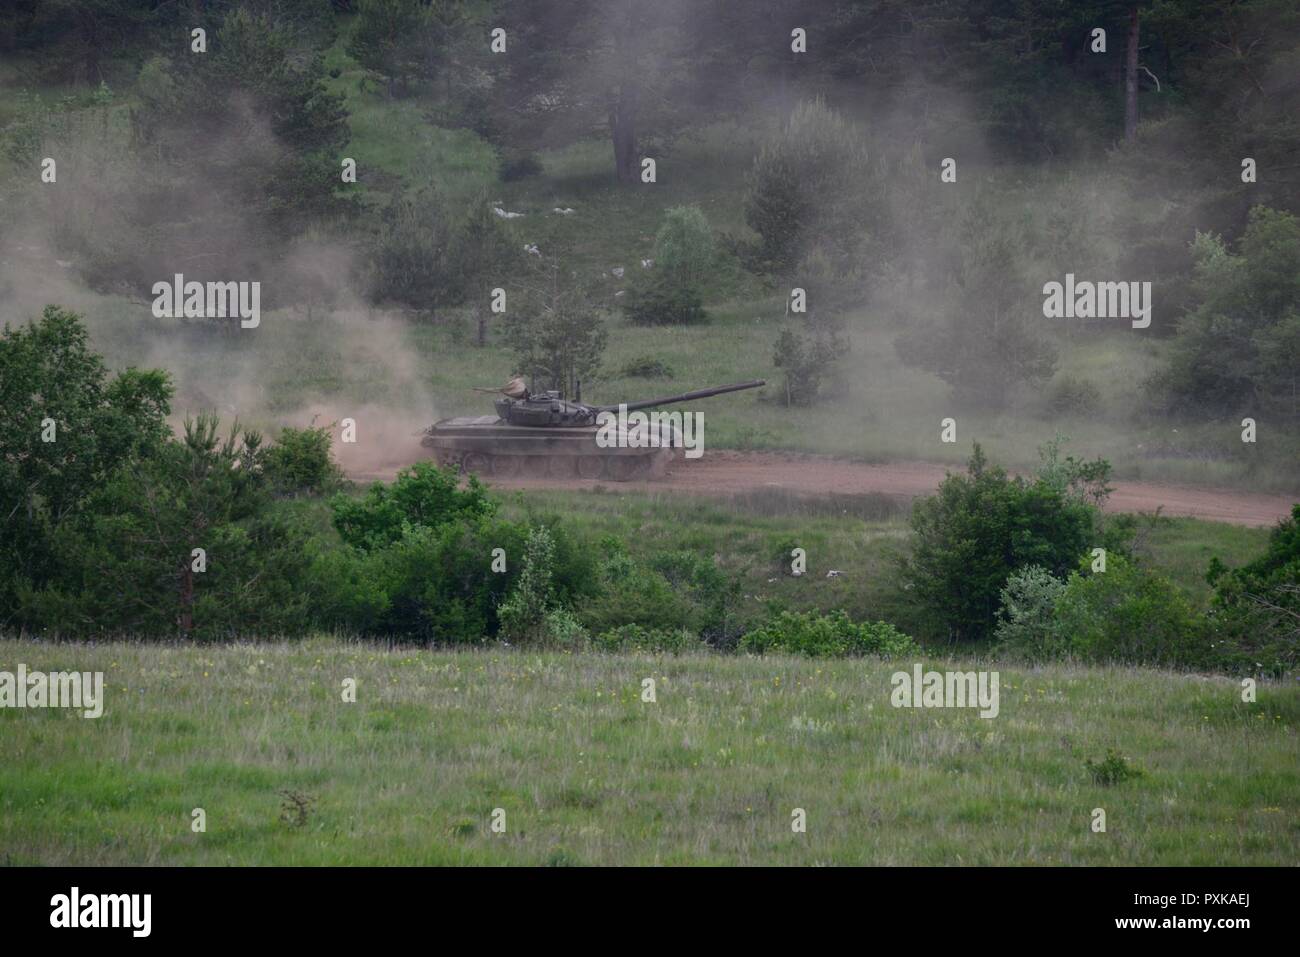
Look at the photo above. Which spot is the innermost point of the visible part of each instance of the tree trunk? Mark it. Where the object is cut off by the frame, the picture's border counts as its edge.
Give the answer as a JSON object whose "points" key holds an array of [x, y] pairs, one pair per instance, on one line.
{"points": [[622, 126], [1131, 78]]}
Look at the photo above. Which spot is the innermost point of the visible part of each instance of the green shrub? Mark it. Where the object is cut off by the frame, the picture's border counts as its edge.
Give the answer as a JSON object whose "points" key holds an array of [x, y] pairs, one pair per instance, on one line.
{"points": [[1129, 615], [1236, 349], [978, 529], [661, 300], [525, 613], [823, 636], [422, 495], [1072, 395], [1027, 627], [562, 629], [433, 585], [1254, 623], [674, 591], [646, 367], [808, 187], [1111, 770], [300, 462], [808, 360], [636, 638], [684, 248]]}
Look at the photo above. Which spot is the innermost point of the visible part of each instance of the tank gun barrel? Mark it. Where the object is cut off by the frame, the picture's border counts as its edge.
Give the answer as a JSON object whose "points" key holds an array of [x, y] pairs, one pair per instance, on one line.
{"points": [[684, 397]]}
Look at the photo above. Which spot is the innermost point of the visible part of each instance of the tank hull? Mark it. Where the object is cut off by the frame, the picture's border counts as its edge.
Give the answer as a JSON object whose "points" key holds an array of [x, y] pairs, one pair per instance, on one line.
{"points": [[486, 446]]}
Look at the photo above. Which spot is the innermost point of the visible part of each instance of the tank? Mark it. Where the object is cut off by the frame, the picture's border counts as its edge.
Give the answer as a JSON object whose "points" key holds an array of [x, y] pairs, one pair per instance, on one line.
{"points": [[545, 434]]}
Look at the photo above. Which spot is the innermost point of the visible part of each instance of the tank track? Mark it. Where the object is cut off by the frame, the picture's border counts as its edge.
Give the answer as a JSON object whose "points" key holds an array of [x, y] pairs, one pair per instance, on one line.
{"points": [[613, 468]]}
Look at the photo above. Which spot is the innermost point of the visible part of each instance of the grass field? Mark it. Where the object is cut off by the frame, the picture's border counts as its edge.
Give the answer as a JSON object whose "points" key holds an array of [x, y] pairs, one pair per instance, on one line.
{"points": [[589, 774]]}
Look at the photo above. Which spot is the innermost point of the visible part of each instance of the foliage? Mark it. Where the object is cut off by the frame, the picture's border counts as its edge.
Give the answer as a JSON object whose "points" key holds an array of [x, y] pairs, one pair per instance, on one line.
{"points": [[1236, 350], [1027, 627], [300, 462], [421, 495], [684, 248], [660, 300], [557, 338], [129, 565], [808, 189], [646, 367], [524, 614], [389, 39], [633, 637], [978, 529], [284, 166], [1112, 769], [1128, 615], [434, 583], [985, 344], [1255, 619], [1075, 479], [1073, 395], [826, 636], [674, 591], [53, 386], [808, 360], [425, 257], [519, 164]]}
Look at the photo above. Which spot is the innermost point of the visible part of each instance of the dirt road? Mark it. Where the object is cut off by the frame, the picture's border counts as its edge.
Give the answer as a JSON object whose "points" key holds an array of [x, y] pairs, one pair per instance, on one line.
{"points": [[724, 473]]}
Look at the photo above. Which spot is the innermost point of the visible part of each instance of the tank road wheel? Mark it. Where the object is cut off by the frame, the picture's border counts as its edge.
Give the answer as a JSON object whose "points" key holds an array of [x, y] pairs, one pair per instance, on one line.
{"points": [[560, 466], [591, 466], [506, 466], [475, 462], [624, 468]]}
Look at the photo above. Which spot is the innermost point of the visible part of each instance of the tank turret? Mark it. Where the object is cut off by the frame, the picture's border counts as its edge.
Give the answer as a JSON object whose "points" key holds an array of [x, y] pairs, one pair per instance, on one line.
{"points": [[548, 409]]}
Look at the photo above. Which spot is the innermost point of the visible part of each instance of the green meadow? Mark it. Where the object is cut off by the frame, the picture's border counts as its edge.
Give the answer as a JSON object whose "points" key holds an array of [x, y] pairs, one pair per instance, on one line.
{"points": [[286, 772]]}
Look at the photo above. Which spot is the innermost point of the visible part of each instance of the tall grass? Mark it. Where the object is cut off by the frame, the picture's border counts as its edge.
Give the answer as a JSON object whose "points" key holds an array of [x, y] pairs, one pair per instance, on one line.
{"points": [[588, 773]]}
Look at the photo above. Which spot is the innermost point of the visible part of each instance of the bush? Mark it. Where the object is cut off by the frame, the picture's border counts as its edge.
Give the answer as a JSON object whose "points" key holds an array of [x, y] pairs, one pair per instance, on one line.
{"points": [[518, 164], [660, 300], [1129, 615], [985, 344], [422, 495], [978, 529], [808, 360], [433, 585], [525, 615], [1111, 770], [1071, 395], [427, 255], [1255, 618], [684, 248], [807, 187], [636, 638], [824, 636], [1236, 350], [300, 462], [675, 591], [1027, 627]]}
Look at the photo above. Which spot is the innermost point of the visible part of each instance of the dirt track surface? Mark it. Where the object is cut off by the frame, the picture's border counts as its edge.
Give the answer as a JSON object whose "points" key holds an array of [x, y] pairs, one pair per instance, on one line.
{"points": [[723, 473]]}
